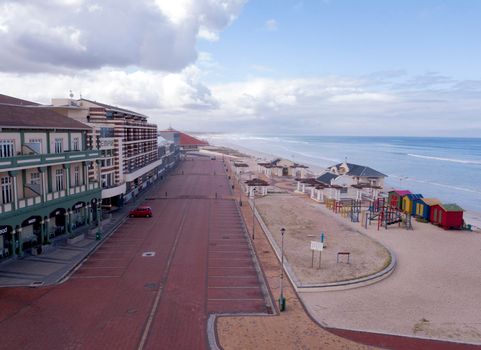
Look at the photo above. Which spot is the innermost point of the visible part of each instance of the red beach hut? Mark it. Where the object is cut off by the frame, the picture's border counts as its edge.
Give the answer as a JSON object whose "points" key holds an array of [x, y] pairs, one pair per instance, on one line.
{"points": [[447, 216], [395, 198]]}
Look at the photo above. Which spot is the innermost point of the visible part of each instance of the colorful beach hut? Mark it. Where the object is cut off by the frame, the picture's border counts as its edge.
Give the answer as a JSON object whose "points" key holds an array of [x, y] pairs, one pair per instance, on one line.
{"points": [[407, 202], [447, 216], [395, 198], [422, 207]]}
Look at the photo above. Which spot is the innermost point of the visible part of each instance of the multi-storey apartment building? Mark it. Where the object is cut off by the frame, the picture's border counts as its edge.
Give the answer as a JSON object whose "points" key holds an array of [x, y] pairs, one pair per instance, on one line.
{"points": [[45, 187], [127, 143]]}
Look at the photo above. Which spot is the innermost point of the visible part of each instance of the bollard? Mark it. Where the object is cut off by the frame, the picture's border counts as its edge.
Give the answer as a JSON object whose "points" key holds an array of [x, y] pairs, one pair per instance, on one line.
{"points": [[282, 304], [97, 236]]}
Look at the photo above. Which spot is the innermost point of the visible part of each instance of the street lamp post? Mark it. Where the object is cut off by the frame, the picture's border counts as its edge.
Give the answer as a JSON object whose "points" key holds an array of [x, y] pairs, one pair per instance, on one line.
{"points": [[253, 212], [282, 300]]}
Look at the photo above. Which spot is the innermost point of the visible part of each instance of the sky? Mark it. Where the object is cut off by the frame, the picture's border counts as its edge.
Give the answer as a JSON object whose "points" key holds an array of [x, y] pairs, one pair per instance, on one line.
{"points": [[324, 67]]}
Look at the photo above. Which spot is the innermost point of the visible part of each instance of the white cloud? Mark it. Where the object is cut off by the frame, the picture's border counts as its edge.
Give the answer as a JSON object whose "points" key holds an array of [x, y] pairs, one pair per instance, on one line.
{"points": [[363, 97], [37, 36], [271, 25]]}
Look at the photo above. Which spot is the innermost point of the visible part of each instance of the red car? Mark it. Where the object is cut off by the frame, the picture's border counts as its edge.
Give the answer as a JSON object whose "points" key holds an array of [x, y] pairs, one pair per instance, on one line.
{"points": [[141, 212]]}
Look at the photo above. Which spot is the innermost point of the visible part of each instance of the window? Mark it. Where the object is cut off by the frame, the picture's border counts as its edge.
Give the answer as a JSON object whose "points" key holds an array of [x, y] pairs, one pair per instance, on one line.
{"points": [[59, 180], [36, 145], [35, 178], [106, 132], [59, 145], [6, 184], [76, 176], [7, 148], [76, 144], [107, 180]]}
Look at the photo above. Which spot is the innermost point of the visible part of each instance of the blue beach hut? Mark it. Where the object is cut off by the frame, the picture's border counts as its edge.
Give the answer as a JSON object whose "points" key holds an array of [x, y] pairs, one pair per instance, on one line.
{"points": [[422, 207]]}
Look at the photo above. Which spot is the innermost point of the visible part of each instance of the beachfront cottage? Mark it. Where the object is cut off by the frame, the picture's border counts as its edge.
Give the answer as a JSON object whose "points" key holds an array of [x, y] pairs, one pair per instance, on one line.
{"points": [[366, 191], [256, 186], [352, 180], [282, 167], [422, 207], [448, 216], [240, 168], [317, 193], [407, 202], [395, 198], [348, 174]]}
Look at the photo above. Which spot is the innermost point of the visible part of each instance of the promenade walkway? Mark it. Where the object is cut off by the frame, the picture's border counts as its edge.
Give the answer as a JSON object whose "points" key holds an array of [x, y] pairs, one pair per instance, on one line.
{"points": [[154, 282]]}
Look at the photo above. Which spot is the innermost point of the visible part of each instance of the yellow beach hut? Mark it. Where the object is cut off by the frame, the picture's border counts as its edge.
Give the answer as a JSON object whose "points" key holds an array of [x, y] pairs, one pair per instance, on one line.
{"points": [[407, 202]]}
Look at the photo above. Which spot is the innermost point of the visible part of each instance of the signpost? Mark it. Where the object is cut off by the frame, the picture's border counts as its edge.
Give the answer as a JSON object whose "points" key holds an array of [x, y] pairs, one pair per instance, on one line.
{"points": [[316, 246]]}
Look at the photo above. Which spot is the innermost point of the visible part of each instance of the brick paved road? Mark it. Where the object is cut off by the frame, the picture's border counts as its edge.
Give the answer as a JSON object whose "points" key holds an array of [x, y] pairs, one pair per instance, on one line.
{"points": [[119, 299]]}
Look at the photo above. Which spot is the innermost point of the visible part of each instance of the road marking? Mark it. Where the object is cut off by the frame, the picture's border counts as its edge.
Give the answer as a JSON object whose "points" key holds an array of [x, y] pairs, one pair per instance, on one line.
{"points": [[103, 267], [232, 276], [229, 267], [229, 251], [236, 287], [93, 277], [237, 299]]}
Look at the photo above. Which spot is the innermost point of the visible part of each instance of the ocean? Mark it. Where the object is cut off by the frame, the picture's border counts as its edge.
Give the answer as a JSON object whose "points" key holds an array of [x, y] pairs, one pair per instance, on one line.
{"points": [[446, 168]]}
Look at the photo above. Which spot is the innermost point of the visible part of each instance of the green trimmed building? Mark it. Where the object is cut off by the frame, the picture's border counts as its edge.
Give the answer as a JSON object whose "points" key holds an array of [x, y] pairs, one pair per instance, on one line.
{"points": [[48, 186]]}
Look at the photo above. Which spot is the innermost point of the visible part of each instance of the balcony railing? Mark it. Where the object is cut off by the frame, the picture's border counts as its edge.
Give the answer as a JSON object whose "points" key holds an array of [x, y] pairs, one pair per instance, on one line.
{"points": [[47, 159], [29, 202]]}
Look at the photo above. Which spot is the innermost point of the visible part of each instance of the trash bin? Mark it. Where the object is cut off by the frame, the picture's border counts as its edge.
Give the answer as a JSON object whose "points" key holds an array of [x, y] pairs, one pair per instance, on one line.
{"points": [[282, 304]]}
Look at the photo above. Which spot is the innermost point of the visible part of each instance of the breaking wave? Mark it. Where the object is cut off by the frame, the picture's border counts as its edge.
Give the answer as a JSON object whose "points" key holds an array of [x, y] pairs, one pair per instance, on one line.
{"points": [[452, 160]]}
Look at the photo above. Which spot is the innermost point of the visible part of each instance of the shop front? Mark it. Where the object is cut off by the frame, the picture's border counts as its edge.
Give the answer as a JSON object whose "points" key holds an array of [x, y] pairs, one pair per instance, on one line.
{"points": [[5, 241], [78, 217], [30, 233], [56, 223]]}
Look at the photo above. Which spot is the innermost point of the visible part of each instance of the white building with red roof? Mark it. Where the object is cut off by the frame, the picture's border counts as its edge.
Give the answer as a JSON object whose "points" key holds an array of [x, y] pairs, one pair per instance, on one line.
{"points": [[186, 142]]}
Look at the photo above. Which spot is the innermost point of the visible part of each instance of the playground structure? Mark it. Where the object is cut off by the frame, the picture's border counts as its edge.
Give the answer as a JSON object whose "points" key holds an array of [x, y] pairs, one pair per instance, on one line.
{"points": [[386, 215], [375, 211], [347, 208]]}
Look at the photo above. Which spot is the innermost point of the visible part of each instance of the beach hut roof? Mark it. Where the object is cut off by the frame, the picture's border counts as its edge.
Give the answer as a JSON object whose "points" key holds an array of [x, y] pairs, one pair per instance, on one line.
{"points": [[401, 192], [257, 182], [431, 201], [327, 177], [451, 207], [360, 170], [413, 196], [365, 185], [241, 165], [310, 181]]}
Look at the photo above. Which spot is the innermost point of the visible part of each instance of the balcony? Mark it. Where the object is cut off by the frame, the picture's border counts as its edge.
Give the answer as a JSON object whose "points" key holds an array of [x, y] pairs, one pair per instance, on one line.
{"points": [[32, 201], [26, 161]]}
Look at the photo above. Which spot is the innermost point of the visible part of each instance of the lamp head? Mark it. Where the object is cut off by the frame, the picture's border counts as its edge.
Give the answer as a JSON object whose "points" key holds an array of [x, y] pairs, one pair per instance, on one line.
{"points": [[282, 231]]}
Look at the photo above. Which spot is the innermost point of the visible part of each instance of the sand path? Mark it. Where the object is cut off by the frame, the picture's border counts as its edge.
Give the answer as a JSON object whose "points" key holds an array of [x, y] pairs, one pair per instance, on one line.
{"points": [[434, 291]]}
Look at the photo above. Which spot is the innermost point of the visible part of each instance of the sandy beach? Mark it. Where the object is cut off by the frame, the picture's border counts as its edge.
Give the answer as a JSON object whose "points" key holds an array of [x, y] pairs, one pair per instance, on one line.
{"points": [[433, 292]]}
